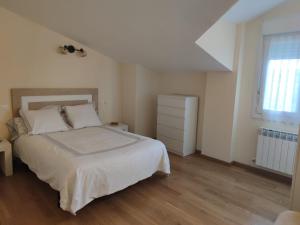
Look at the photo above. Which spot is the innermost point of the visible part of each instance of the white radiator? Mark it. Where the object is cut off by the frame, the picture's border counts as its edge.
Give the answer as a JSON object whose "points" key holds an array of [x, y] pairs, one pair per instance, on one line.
{"points": [[276, 150]]}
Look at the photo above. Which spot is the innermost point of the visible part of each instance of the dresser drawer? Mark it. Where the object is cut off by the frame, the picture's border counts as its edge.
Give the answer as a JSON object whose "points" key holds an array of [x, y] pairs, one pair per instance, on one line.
{"points": [[176, 134], [171, 144], [166, 110], [170, 121], [177, 102]]}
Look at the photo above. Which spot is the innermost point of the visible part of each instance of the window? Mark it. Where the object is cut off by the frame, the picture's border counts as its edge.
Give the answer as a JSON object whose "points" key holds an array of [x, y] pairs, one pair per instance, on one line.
{"points": [[279, 88]]}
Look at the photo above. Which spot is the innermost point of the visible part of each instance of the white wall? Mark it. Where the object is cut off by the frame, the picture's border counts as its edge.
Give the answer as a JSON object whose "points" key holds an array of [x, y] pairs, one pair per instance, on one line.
{"points": [[245, 144], [219, 42], [139, 92], [147, 89], [128, 90], [220, 106], [218, 115], [29, 58]]}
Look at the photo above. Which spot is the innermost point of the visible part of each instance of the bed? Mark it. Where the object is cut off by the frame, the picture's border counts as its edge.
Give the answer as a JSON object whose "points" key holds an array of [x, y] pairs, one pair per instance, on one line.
{"points": [[87, 163]]}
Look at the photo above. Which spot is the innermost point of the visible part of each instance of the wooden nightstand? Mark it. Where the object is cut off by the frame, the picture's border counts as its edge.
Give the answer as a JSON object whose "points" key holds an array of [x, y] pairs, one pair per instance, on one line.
{"points": [[120, 126], [6, 157]]}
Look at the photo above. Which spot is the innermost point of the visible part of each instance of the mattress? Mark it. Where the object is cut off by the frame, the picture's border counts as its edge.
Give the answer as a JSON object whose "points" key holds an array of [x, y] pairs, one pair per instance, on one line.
{"points": [[88, 163]]}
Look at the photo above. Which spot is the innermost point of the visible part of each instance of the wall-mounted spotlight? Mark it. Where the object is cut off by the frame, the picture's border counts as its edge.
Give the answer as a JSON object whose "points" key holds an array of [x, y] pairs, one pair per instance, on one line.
{"points": [[71, 49]]}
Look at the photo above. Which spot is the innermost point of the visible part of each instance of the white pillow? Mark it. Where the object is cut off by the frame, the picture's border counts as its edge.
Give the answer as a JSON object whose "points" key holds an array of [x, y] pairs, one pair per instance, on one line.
{"points": [[80, 116], [43, 121]]}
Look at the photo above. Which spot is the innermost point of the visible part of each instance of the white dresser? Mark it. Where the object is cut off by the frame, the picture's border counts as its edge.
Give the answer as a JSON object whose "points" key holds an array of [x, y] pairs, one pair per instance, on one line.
{"points": [[177, 123]]}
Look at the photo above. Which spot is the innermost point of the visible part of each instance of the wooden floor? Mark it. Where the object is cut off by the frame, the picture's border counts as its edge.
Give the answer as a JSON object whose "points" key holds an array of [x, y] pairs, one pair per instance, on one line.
{"points": [[199, 191]]}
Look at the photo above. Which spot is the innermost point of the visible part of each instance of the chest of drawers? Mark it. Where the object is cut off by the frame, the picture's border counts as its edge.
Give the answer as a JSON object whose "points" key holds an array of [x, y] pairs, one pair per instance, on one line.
{"points": [[177, 123]]}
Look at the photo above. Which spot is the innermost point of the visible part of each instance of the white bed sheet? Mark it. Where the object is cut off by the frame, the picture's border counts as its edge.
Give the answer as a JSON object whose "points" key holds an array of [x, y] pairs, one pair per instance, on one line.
{"points": [[112, 161]]}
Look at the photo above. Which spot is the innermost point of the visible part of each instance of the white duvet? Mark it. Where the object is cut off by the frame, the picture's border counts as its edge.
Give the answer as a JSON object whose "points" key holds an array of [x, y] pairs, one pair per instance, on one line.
{"points": [[92, 162]]}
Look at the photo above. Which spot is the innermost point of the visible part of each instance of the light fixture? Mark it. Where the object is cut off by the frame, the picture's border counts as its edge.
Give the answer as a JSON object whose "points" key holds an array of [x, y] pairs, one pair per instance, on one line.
{"points": [[71, 49]]}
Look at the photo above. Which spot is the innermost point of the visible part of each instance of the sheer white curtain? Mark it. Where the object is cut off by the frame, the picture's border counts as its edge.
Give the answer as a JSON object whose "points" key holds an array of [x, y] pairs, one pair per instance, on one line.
{"points": [[280, 81]]}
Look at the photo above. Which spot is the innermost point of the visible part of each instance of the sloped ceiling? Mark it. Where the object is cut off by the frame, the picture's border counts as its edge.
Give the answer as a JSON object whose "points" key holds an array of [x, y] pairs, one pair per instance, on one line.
{"points": [[245, 10], [159, 34]]}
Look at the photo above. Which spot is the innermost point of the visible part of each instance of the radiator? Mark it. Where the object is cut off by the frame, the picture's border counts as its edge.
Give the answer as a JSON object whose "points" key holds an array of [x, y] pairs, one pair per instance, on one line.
{"points": [[276, 150]]}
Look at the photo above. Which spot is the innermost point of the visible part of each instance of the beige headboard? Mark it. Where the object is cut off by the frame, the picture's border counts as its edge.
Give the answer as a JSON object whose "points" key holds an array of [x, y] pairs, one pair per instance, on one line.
{"points": [[53, 96]]}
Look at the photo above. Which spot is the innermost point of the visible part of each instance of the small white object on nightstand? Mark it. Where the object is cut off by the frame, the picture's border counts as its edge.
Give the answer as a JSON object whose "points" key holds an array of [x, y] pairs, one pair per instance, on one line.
{"points": [[6, 157], [119, 126]]}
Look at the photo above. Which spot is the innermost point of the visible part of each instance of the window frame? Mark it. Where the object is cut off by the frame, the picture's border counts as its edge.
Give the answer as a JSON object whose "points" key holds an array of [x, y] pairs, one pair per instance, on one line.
{"points": [[257, 111], [258, 99]]}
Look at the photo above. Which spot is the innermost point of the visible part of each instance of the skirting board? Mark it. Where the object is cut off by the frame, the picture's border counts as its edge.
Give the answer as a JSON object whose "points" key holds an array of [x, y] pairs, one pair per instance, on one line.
{"points": [[264, 173], [252, 169]]}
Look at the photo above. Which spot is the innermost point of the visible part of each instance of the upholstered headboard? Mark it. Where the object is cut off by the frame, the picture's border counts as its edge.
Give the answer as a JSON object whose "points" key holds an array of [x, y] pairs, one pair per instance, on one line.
{"points": [[36, 98]]}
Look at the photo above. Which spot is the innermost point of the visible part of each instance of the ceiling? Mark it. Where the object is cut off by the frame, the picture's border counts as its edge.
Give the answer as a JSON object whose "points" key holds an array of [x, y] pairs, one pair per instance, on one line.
{"points": [[159, 34], [245, 10]]}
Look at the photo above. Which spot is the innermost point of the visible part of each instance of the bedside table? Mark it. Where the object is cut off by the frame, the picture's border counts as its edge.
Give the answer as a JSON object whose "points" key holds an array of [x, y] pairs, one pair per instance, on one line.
{"points": [[120, 126], [6, 157]]}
